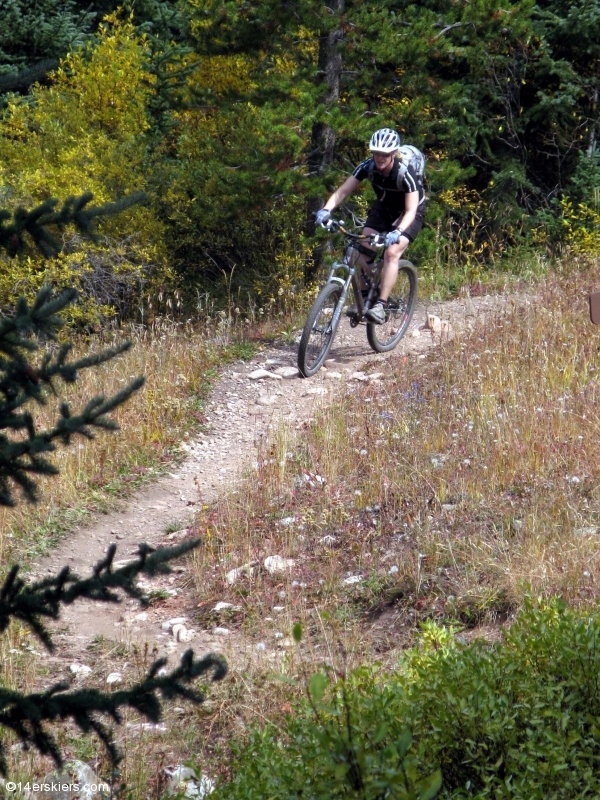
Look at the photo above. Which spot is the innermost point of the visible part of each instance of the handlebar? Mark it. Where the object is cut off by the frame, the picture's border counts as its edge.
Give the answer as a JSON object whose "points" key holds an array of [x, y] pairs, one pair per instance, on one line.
{"points": [[377, 239]]}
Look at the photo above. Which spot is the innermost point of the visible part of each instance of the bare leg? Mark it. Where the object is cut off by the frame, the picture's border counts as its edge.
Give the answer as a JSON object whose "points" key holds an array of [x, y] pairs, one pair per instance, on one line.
{"points": [[364, 259], [390, 267]]}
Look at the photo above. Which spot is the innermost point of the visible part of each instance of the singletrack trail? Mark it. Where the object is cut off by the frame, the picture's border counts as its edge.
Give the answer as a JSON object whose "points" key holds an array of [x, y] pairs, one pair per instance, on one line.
{"points": [[241, 412]]}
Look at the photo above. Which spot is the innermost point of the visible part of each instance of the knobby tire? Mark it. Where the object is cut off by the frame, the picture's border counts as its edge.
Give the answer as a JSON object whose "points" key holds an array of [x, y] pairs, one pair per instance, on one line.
{"points": [[318, 333], [399, 312]]}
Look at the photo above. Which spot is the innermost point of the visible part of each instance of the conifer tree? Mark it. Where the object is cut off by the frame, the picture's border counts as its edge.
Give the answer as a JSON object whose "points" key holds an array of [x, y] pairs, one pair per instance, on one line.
{"points": [[34, 34], [37, 221], [25, 453]]}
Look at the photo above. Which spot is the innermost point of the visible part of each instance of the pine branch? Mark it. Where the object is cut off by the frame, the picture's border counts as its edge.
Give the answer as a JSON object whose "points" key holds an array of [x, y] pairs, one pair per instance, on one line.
{"points": [[26, 714], [22, 382], [34, 602], [22, 457], [22, 80], [74, 211]]}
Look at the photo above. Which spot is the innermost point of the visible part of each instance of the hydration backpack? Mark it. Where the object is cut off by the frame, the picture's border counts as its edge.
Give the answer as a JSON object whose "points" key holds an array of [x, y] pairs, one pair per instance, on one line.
{"points": [[409, 155]]}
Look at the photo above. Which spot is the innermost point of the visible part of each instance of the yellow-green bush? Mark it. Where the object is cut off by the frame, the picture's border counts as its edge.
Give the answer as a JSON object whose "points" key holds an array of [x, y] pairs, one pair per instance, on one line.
{"points": [[85, 132]]}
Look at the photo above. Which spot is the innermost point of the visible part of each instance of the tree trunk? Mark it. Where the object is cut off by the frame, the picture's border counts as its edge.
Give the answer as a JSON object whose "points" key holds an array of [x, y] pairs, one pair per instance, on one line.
{"points": [[592, 139], [322, 143]]}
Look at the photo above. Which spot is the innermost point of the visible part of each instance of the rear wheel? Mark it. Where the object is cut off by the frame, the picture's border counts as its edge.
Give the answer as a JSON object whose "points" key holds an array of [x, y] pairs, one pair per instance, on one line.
{"points": [[318, 332], [399, 311]]}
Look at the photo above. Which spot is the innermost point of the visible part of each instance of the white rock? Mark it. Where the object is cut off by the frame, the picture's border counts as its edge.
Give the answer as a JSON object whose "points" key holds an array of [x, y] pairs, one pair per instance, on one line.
{"points": [[434, 324], [221, 606], [114, 677], [72, 772], [168, 624], [221, 632], [315, 390], [267, 400], [415, 333], [142, 617], [279, 609], [182, 634], [275, 564], [147, 727], [80, 669], [334, 376], [183, 782], [287, 372], [259, 374], [352, 579], [375, 376], [359, 376], [247, 569], [285, 522]]}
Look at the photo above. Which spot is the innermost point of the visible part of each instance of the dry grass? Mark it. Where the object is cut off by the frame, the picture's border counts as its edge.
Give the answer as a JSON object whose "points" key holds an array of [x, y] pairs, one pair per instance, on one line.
{"points": [[179, 362], [450, 491]]}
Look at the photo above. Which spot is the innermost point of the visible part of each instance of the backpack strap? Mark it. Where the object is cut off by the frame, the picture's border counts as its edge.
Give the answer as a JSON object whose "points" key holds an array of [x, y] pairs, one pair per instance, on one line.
{"points": [[371, 171], [402, 169]]}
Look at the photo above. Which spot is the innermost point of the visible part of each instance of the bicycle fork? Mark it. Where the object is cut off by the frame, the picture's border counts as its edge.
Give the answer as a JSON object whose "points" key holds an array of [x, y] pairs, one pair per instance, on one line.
{"points": [[345, 284]]}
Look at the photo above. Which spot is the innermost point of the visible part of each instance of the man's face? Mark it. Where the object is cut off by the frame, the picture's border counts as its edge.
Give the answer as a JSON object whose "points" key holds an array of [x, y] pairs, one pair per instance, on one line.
{"points": [[382, 160]]}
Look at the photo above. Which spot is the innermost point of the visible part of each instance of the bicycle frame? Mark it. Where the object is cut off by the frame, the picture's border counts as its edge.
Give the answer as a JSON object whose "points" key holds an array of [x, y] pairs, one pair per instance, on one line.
{"points": [[353, 273]]}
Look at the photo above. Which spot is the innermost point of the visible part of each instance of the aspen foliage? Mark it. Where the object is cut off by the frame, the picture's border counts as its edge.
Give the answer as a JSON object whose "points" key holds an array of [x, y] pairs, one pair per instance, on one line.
{"points": [[87, 131]]}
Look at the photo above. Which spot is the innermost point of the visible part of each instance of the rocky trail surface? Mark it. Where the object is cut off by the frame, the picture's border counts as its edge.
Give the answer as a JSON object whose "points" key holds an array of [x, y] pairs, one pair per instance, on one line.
{"points": [[249, 400]]}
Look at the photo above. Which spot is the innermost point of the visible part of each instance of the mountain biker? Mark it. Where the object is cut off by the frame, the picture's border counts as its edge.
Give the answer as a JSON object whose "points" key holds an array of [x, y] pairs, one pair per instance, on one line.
{"points": [[398, 212]]}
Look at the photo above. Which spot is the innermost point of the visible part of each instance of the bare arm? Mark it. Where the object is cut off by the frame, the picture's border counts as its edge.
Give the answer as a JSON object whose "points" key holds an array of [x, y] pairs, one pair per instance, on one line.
{"points": [[411, 204], [348, 186]]}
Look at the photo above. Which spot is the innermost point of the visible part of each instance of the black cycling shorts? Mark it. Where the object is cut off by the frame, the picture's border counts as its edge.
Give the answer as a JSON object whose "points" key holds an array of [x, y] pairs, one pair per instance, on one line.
{"points": [[382, 220]]}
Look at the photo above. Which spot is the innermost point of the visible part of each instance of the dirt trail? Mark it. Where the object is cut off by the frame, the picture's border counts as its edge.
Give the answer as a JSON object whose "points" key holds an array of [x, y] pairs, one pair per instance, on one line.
{"points": [[240, 414]]}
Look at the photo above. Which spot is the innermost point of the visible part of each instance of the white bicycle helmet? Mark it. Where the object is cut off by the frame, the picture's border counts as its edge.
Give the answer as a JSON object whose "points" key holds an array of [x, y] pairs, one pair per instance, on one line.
{"points": [[385, 140]]}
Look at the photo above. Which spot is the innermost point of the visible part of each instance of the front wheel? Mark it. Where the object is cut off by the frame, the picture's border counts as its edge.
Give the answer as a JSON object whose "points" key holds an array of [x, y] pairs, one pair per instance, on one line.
{"points": [[319, 331], [399, 311]]}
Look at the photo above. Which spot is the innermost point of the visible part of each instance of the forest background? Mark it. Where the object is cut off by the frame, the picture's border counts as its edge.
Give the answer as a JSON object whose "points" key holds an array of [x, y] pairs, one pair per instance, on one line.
{"points": [[238, 118]]}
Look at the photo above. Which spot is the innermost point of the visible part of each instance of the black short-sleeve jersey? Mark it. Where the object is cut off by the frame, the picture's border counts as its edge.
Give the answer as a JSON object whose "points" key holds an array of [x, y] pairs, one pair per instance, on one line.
{"points": [[386, 186]]}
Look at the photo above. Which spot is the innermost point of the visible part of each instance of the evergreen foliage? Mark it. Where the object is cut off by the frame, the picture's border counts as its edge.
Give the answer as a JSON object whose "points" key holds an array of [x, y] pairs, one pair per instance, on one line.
{"points": [[24, 451], [27, 715], [501, 98], [35, 34], [36, 222]]}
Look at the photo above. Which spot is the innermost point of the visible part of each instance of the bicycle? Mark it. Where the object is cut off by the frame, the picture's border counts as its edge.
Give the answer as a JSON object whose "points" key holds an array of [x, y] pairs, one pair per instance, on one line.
{"points": [[326, 312]]}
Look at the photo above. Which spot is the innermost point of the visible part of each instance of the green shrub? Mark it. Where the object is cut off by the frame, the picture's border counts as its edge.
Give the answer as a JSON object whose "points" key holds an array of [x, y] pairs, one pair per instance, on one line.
{"points": [[516, 719], [344, 743]]}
